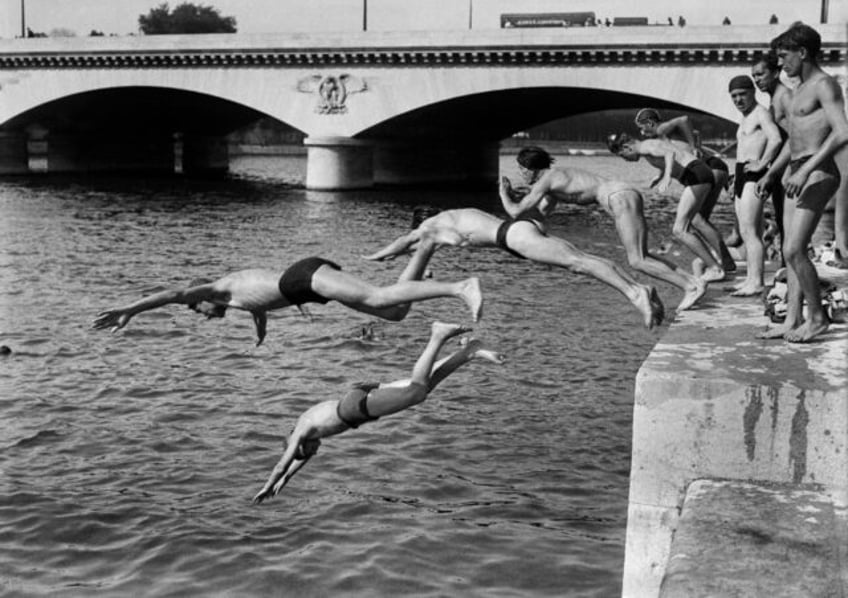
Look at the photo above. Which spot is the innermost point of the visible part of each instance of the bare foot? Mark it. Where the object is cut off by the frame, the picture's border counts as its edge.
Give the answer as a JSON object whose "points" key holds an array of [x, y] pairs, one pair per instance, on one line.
{"points": [[473, 296], [475, 349], [693, 293], [713, 274], [443, 331], [806, 332], [652, 314], [772, 332], [747, 291]]}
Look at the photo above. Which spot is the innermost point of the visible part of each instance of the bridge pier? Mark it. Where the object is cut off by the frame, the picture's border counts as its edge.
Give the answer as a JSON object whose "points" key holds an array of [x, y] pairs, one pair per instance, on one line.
{"points": [[337, 163], [202, 155], [14, 157]]}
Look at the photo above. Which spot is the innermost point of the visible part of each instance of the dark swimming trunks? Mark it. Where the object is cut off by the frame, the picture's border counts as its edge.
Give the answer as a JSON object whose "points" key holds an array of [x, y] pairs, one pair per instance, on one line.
{"points": [[741, 177], [716, 163], [696, 173], [812, 201], [352, 409], [500, 236], [296, 282]]}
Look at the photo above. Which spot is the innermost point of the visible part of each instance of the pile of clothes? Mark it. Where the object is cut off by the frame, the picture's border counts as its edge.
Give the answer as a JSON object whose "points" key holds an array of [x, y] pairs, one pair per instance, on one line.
{"points": [[834, 300]]}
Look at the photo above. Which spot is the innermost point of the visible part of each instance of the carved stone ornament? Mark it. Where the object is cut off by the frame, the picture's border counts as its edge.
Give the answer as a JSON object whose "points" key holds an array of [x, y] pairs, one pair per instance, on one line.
{"points": [[332, 91]]}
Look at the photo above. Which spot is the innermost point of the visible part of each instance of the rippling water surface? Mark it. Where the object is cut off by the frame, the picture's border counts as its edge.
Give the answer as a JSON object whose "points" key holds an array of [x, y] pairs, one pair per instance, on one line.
{"points": [[127, 461]]}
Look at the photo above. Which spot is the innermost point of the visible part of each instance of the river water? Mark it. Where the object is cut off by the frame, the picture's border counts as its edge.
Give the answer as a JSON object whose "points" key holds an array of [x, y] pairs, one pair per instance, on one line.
{"points": [[128, 461]]}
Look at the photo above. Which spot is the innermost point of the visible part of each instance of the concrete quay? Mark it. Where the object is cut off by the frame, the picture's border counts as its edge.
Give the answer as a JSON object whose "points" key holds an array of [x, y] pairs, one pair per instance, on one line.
{"points": [[739, 473]]}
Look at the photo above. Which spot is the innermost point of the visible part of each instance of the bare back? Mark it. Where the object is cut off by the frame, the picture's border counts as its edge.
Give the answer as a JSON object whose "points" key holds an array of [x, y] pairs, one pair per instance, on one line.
{"points": [[468, 227]]}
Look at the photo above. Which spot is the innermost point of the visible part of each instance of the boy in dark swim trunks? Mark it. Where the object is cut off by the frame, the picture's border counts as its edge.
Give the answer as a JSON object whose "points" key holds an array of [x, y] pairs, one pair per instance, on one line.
{"points": [[675, 161], [528, 239], [757, 143], [312, 280], [817, 130], [679, 130], [368, 402]]}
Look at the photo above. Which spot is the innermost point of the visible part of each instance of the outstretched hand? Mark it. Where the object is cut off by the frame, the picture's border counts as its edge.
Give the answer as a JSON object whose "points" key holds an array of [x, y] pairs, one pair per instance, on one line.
{"points": [[113, 318]]}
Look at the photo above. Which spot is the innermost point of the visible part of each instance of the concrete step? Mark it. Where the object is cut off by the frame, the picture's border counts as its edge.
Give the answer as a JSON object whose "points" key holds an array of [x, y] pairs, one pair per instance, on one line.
{"points": [[740, 539]]}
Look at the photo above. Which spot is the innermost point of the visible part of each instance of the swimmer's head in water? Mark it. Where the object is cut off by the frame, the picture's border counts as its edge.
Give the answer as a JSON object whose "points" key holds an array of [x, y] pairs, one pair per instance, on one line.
{"points": [[534, 158], [621, 144]]}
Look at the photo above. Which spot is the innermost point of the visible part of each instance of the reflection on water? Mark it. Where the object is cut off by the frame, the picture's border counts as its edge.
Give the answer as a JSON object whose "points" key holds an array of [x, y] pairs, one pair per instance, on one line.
{"points": [[128, 461]]}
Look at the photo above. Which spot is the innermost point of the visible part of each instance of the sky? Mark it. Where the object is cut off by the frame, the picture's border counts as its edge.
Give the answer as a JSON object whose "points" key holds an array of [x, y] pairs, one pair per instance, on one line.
{"points": [[120, 17]]}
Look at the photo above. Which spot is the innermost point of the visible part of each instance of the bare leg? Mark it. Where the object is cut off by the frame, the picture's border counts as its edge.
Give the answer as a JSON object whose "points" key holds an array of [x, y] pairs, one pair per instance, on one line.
{"points": [[632, 230], [526, 239], [391, 398], [393, 302], [794, 297], [397, 247], [687, 210], [749, 213], [799, 264], [840, 224]]}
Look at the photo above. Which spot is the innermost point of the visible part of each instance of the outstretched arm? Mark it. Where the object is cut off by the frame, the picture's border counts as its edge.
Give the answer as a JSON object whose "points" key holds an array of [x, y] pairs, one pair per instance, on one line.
{"points": [[297, 453], [399, 246], [117, 318]]}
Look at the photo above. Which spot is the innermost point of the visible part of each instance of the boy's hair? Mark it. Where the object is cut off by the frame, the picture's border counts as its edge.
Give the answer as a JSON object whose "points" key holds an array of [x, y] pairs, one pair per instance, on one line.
{"points": [[534, 158], [647, 114], [769, 59], [616, 141], [799, 36]]}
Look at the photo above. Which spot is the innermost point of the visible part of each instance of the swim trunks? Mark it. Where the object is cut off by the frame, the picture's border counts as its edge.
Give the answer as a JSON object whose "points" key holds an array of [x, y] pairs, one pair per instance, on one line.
{"points": [[296, 282], [696, 173], [828, 167], [352, 409], [716, 163], [500, 236], [741, 177]]}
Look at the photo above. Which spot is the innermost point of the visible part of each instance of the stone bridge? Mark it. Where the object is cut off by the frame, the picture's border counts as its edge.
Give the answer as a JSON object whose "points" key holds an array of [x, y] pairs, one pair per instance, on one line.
{"points": [[375, 107]]}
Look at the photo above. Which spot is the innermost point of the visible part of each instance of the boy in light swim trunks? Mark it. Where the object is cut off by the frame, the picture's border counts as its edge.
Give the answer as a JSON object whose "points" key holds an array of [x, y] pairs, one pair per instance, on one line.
{"points": [[311, 280], [527, 239], [674, 161], [817, 130], [550, 185], [368, 402]]}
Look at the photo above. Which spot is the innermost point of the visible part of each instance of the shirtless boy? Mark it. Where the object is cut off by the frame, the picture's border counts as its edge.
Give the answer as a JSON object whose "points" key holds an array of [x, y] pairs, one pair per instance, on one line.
{"points": [[526, 238], [676, 162], [757, 143], [679, 130], [368, 402], [311, 280], [817, 129], [551, 185], [766, 74]]}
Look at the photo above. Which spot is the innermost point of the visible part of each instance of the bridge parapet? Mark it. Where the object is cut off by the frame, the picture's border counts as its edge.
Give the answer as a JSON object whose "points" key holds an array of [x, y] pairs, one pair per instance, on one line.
{"points": [[595, 46]]}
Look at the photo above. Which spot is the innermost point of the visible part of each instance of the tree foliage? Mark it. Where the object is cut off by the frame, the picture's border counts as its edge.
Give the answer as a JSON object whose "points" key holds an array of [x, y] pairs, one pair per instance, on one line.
{"points": [[185, 18]]}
